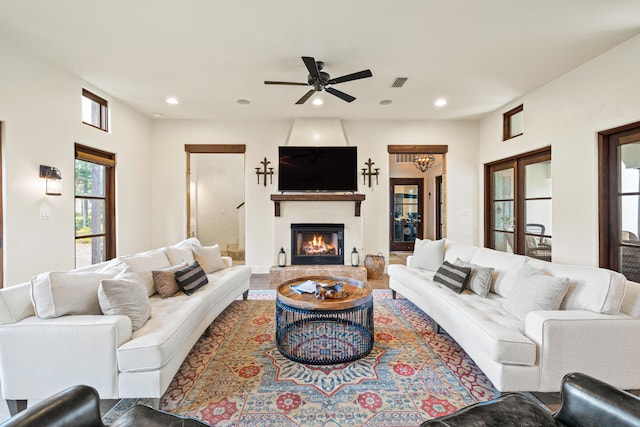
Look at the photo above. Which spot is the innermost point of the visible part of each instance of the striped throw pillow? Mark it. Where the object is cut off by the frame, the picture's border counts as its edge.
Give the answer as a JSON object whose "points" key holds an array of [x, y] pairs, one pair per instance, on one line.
{"points": [[191, 278], [452, 276]]}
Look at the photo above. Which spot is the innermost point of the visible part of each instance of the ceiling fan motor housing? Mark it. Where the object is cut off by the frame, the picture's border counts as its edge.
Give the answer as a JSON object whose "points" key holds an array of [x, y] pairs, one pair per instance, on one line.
{"points": [[320, 83]]}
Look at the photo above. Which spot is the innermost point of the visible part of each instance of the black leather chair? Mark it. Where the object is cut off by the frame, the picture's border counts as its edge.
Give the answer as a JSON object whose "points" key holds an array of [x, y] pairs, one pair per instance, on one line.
{"points": [[79, 406], [585, 402]]}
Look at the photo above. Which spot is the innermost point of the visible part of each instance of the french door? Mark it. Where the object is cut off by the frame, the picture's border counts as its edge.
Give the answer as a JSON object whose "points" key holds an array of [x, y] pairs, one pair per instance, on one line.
{"points": [[406, 212], [619, 200], [518, 205]]}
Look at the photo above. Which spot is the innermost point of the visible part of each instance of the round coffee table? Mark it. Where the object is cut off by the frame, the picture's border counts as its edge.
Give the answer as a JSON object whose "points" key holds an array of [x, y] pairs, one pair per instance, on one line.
{"points": [[324, 332]]}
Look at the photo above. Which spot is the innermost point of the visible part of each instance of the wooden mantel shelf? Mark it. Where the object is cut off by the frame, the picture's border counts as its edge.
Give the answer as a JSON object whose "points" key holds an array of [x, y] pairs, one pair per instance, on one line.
{"points": [[317, 197]]}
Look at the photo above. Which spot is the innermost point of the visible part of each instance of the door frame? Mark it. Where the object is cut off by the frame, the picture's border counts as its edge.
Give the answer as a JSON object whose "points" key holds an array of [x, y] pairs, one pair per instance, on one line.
{"points": [[439, 208], [206, 149], [405, 246]]}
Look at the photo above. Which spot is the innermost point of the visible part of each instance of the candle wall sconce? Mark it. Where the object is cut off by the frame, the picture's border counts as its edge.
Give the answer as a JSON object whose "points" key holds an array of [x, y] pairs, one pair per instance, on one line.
{"points": [[368, 172], [264, 172]]}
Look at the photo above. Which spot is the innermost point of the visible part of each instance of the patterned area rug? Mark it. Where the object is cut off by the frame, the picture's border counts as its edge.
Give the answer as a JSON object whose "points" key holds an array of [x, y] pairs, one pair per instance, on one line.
{"points": [[237, 376]]}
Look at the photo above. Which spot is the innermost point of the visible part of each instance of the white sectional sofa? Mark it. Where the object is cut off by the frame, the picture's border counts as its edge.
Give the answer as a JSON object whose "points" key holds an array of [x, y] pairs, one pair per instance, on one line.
{"points": [[41, 356], [596, 329]]}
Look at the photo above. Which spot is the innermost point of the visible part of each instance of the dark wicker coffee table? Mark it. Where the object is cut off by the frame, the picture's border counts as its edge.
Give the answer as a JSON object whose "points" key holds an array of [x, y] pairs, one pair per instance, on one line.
{"points": [[324, 332]]}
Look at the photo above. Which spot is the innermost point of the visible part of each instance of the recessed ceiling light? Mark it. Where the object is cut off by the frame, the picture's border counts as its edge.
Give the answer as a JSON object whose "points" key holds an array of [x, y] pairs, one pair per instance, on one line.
{"points": [[156, 115], [440, 102], [386, 102], [243, 101], [172, 100], [317, 101]]}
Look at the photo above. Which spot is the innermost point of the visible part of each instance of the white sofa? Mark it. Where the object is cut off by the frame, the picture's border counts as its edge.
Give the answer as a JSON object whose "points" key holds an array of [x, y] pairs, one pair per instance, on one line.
{"points": [[596, 330], [41, 356]]}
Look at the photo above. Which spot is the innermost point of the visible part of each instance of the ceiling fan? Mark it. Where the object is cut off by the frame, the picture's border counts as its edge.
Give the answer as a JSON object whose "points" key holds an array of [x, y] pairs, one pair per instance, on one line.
{"points": [[320, 80]]}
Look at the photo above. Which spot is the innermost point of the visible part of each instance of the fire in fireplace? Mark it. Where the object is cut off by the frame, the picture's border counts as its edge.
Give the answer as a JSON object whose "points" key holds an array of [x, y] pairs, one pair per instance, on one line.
{"points": [[313, 244]]}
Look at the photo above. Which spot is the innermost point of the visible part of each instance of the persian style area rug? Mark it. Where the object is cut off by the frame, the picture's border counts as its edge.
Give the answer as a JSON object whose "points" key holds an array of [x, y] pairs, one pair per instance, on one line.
{"points": [[237, 377]]}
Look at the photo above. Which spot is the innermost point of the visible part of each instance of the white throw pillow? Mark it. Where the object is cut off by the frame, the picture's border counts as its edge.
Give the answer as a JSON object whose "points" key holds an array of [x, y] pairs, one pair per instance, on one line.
{"points": [[178, 255], [56, 294], [182, 251], [125, 297], [480, 278], [144, 264], [209, 258], [428, 254], [536, 292]]}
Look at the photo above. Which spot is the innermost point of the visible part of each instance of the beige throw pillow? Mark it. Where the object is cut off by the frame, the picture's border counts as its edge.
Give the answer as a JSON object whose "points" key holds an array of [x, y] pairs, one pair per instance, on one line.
{"points": [[165, 281], [56, 294], [480, 278], [209, 258], [125, 297]]}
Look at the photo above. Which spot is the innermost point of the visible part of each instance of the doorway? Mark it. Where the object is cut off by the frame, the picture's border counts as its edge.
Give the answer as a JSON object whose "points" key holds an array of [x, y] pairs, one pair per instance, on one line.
{"points": [[215, 197], [406, 212]]}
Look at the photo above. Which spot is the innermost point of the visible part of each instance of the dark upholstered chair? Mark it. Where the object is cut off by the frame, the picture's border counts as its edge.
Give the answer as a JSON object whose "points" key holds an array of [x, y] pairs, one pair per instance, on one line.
{"points": [[585, 402], [79, 406]]}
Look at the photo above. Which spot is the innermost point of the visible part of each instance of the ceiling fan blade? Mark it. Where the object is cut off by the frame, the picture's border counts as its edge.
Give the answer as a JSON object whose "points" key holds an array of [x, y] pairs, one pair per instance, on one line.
{"points": [[305, 97], [339, 94], [271, 82], [311, 65], [354, 76]]}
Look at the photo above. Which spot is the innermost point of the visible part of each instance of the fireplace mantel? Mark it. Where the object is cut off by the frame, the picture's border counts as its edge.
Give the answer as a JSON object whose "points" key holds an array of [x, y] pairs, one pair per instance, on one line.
{"points": [[356, 198]]}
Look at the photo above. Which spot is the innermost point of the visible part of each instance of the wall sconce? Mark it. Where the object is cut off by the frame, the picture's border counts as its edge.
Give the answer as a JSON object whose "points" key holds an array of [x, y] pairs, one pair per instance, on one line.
{"points": [[264, 172], [368, 173], [53, 177]]}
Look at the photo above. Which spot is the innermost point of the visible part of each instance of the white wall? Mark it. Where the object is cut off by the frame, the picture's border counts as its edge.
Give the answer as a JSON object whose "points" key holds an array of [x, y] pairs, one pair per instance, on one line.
{"points": [[262, 138], [40, 106], [567, 114]]}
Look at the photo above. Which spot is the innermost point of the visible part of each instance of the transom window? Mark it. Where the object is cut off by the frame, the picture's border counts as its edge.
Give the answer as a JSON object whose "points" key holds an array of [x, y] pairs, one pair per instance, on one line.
{"points": [[95, 110], [513, 123], [94, 206]]}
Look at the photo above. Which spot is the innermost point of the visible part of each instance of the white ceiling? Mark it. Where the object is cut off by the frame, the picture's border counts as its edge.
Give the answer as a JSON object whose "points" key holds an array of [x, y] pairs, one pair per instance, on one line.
{"points": [[480, 55]]}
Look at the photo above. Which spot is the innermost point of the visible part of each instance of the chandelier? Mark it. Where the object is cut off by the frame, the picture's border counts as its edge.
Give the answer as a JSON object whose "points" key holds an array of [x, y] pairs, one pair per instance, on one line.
{"points": [[423, 161]]}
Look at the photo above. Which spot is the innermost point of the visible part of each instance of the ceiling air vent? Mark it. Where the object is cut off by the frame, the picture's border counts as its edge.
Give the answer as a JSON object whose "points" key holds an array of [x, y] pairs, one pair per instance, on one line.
{"points": [[399, 81]]}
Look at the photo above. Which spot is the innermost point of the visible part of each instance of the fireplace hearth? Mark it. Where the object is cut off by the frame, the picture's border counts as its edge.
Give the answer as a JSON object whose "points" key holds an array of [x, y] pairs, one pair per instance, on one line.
{"points": [[317, 244]]}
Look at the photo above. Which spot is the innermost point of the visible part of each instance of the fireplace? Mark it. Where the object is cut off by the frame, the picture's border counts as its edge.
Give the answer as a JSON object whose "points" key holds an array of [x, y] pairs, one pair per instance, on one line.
{"points": [[313, 244]]}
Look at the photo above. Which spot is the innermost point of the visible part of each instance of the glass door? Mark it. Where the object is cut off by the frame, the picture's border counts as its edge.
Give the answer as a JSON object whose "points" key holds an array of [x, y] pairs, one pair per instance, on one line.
{"points": [[503, 208], [518, 205], [406, 212]]}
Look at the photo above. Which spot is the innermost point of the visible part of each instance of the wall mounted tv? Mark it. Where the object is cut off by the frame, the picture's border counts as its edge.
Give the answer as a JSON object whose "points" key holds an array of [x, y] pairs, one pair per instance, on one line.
{"points": [[318, 169]]}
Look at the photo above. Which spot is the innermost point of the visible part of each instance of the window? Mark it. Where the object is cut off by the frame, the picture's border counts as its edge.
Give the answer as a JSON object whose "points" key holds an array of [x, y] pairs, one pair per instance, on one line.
{"points": [[619, 200], [513, 123], [94, 205], [94, 110], [518, 205]]}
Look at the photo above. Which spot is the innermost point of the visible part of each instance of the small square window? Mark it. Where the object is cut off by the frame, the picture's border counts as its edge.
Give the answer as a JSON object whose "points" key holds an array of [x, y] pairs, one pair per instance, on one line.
{"points": [[513, 123], [94, 110]]}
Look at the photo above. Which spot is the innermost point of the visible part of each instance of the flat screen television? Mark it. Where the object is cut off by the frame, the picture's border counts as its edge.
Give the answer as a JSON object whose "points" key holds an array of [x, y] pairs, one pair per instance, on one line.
{"points": [[318, 169]]}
